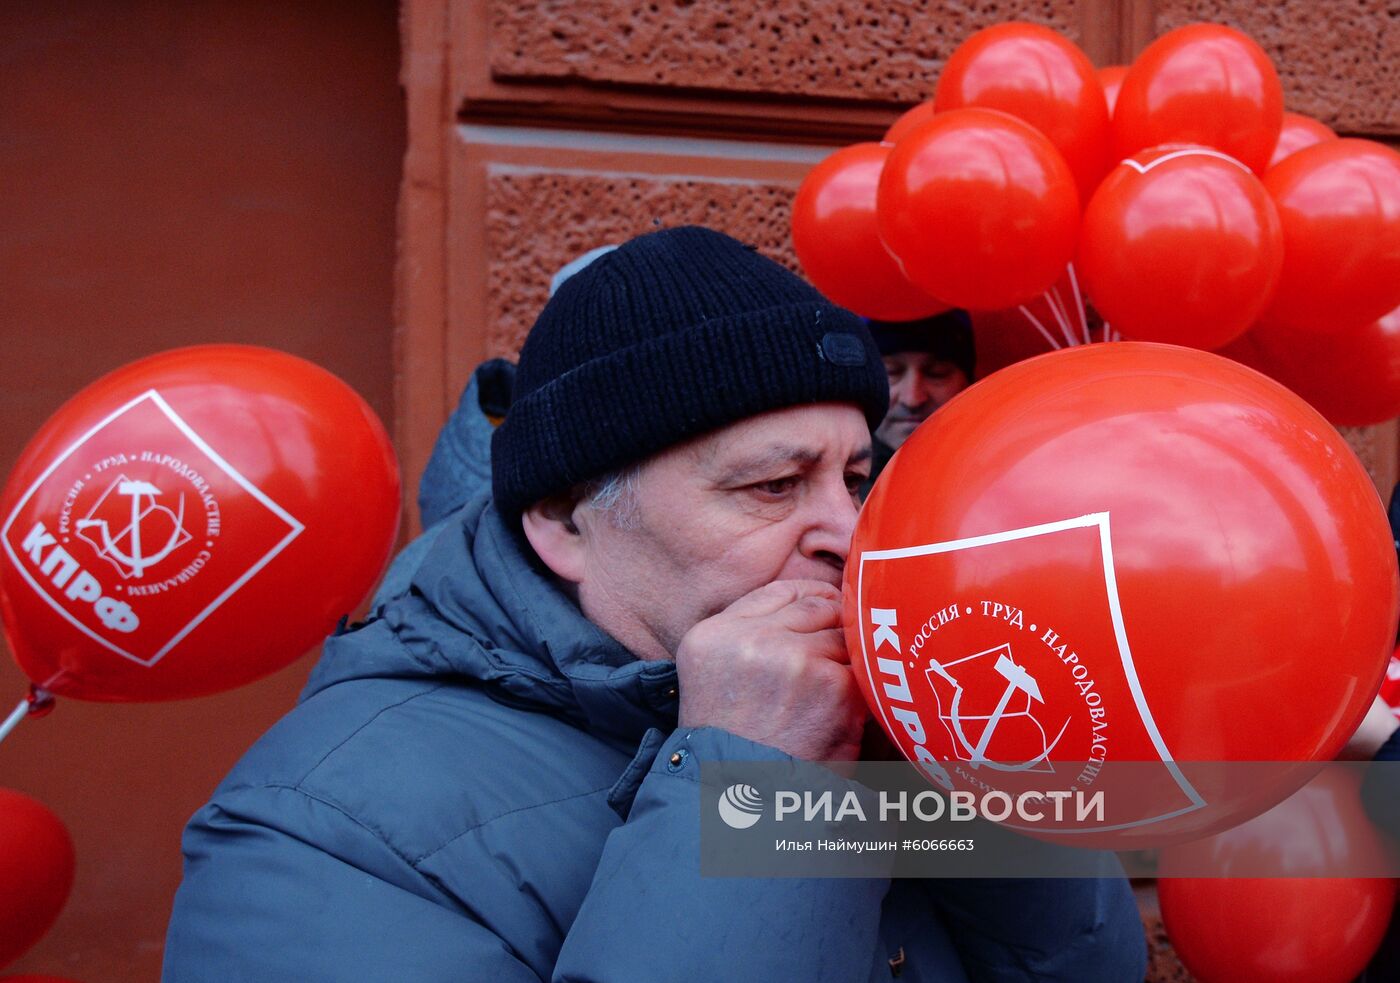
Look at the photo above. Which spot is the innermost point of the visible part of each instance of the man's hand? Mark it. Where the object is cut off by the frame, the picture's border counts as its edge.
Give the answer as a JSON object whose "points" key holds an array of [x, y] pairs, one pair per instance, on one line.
{"points": [[772, 668]]}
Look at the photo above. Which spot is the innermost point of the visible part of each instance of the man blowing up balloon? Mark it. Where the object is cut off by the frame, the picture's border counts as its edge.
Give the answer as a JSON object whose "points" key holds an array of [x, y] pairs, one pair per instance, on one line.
{"points": [[496, 776]]}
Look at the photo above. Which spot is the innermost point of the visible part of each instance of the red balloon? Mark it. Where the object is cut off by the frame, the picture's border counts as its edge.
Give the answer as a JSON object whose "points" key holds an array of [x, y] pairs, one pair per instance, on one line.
{"points": [[1280, 929], [979, 208], [1352, 377], [1111, 78], [31, 978], [1299, 131], [191, 522], [910, 119], [1040, 77], [1339, 205], [1206, 84], [1102, 551], [834, 235], [36, 872], [1181, 245]]}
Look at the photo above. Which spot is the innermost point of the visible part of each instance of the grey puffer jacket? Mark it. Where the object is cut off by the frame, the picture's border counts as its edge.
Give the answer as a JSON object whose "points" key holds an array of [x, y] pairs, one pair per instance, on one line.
{"points": [[476, 785]]}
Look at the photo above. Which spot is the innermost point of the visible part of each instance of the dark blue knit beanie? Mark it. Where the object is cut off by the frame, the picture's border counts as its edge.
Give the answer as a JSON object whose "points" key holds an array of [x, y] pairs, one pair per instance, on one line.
{"points": [[671, 335]]}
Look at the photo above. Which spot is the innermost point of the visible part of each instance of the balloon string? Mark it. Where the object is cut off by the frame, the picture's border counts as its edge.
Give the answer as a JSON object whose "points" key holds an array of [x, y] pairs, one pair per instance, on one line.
{"points": [[12, 721], [1057, 304], [1059, 318], [1040, 327], [1079, 302]]}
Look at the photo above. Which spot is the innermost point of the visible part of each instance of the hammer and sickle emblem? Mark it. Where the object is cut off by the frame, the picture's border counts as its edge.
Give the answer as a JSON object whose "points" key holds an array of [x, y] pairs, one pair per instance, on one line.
{"points": [[1017, 680], [135, 559]]}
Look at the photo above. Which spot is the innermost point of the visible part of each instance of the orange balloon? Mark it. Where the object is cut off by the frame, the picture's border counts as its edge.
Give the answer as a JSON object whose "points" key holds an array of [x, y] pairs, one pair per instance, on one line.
{"points": [[1096, 557], [191, 522], [907, 121], [1181, 245], [1304, 928], [1111, 78], [835, 237], [1339, 205], [979, 208], [1041, 77], [1352, 377], [36, 872], [1206, 84], [1299, 131]]}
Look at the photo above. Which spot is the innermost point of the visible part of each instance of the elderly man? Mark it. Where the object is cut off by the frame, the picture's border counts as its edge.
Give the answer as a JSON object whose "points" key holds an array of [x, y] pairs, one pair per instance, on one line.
{"points": [[496, 776]]}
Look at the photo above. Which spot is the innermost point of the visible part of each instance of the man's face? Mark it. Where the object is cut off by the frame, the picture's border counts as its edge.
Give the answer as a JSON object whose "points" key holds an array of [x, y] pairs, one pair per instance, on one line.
{"points": [[769, 498], [919, 384]]}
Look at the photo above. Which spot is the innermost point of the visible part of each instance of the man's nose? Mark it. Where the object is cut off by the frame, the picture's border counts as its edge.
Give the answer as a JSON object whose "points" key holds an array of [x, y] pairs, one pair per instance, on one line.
{"points": [[832, 523], [910, 390], [923, 390]]}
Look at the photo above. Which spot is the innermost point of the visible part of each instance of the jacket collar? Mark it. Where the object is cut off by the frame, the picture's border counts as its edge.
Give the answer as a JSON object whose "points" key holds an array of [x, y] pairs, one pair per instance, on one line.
{"points": [[480, 606]]}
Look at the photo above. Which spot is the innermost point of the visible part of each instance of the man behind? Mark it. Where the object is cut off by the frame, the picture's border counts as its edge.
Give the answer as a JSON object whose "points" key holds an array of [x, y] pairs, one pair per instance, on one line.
{"points": [[927, 362], [496, 776]]}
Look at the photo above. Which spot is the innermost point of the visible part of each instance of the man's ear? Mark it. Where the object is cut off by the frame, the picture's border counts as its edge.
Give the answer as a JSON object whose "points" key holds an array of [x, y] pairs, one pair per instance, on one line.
{"points": [[551, 529]]}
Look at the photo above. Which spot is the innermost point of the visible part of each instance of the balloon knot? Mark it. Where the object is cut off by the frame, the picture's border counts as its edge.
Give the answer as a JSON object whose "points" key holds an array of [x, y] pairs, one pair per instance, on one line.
{"points": [[41, 702]]}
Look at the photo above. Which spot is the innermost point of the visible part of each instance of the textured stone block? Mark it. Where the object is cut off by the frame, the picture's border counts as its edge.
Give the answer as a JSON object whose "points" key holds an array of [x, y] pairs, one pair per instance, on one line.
{"points": [[868, 50], [1337, 60], [525, 201], [537, 222]]}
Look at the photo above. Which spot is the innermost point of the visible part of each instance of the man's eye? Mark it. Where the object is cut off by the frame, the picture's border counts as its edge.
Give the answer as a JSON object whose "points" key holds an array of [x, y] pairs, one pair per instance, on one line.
{"points": [[854, 480], [778, 486]]}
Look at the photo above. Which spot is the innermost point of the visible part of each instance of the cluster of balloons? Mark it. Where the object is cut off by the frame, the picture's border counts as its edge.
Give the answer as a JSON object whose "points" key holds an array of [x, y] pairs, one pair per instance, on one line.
{"points": [[188, 523], [1175, 193], [1052, 554]]}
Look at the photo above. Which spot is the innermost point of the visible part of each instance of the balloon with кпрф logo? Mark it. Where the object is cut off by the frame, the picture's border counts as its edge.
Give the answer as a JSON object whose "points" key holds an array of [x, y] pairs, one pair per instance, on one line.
{"points": [[1097, 567], [191, 522]]}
